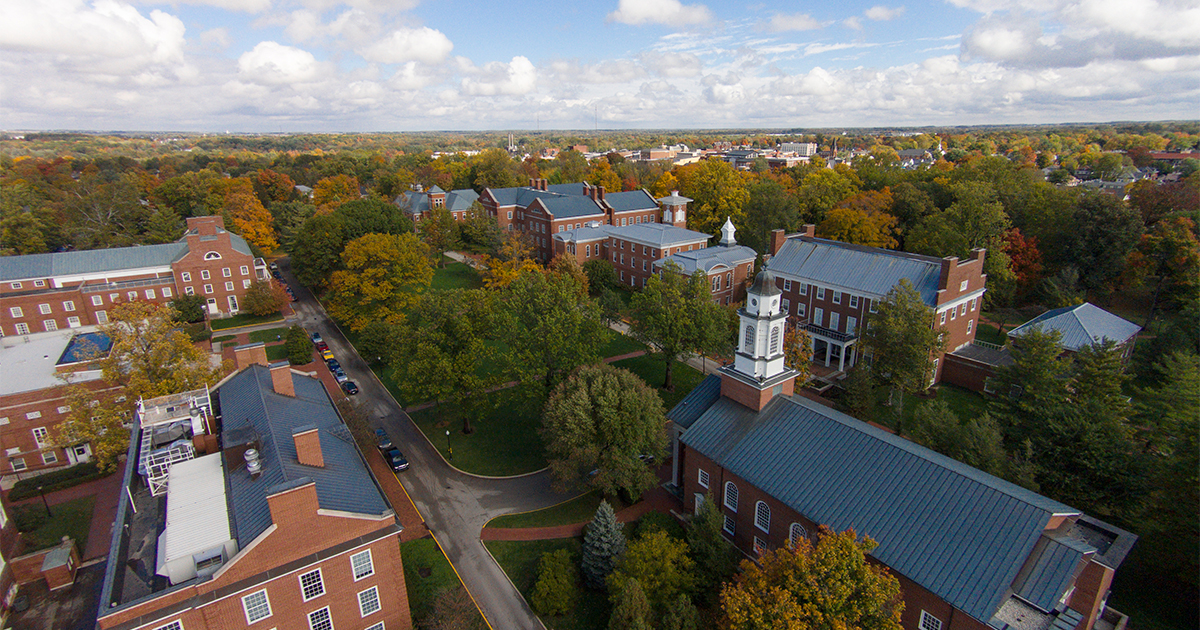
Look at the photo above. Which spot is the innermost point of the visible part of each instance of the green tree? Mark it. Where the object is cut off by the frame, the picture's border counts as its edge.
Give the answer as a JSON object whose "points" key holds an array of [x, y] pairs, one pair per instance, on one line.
{"points": [[384, 276], [769, 207], [439, 230], [380, 342], [902, 342], [603, 543], [660, 564], [681, 615], [717, 192], [601, 276], [715, 557], [821, 190], [480, 231], [631, 610], [164, 226], [299, 347], [317, 250], [493, 168], [372, 216], [797, 353], [264, 297], [150, 357], [1099, 238], [571, 167], [557, 578], [676, 315], [101, 424], [330, 193], [595, 426], [977, 442], [551, 325], [829, 586], [188, 308]]}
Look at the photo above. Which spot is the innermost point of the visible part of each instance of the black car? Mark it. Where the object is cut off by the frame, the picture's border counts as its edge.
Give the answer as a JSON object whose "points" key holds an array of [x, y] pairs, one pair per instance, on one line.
{"points": [[275, 273], [333, 365], [396, 459], [350, 387], [382, 441]]}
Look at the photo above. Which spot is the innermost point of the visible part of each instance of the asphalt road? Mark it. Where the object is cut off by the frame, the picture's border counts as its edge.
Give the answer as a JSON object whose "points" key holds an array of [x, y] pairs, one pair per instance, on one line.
{"points": [[454, 504]]}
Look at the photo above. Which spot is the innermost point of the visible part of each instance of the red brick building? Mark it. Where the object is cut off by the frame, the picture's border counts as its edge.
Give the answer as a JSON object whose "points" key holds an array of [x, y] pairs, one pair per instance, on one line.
{"points": [[727, 266], [417, 204], [283, 526], [48, 292], [830, 288], [970, 551]]}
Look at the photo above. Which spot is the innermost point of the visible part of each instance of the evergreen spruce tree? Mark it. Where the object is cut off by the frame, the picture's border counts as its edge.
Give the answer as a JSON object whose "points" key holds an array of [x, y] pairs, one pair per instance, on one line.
{"points": [[602, 543], [632, 610], [682, 615], [716, 559]]}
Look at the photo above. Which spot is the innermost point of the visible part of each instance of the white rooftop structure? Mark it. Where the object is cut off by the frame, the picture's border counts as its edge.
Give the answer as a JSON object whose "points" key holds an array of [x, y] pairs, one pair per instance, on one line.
{"points": [[197, 539], [30, 361]]}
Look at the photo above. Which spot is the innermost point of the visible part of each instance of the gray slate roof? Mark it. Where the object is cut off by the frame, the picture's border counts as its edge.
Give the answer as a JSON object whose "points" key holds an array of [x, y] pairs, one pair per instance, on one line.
{"points": [[418, 202], [523, 195], [957, 531], [583, 234], [632, 200], [857, 268], [709, 258], [249, 404], [657, 234], [571, 207], [1080, 326], [92, 261]]}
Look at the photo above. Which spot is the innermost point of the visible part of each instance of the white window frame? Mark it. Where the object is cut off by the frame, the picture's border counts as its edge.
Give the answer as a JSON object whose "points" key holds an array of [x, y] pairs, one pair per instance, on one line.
{"points": [[873, 308], [97, 300], [166, 292], [702, 477], [322, 624], [17, 463], [101, 317], [820, 293], [246, 284], [801, 309], [16, 285], [22, 328], [787, 284], [185, 276], [962, 286], [45, 309], [304, 590], [228, 286], [212, 256], [796, 531], [205, 275], [174, 625], [370, 565], [245, 270], [970, 325], [16, 311], [725, 496], [853, 301], [851, 325], [762, 516], [973, 300], [803, 288], [728, 525], [189, 291], [378, 626], [760, 546], [39, 283], [49, 457], [50, 325], [942, 321], [837, 297], [246, 606], [150, 294], [929, 622], [226, 272], [208, 289], [787, 306], [364, 603], [69, 306], [835, 320]]}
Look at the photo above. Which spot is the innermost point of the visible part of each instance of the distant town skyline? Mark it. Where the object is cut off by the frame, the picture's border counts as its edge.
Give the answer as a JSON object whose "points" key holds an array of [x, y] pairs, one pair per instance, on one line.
{"points": [[407, 65]]}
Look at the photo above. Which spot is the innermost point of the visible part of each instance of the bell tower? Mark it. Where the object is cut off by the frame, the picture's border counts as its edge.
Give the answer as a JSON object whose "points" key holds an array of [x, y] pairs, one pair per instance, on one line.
{"points": [[674, 209], [758, 372]]}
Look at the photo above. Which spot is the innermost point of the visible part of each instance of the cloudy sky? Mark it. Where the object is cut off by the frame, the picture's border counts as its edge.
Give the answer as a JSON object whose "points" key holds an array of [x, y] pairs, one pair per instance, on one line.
{"points": [[404, 65]]}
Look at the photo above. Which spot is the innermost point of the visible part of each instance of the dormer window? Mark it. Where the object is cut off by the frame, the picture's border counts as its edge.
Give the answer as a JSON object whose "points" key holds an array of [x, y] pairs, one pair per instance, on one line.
{"points": [[212, 256]]}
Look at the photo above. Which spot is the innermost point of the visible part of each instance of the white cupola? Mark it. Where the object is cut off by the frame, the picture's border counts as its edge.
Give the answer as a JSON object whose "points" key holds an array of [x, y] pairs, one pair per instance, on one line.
{"points": [[727, 230], [761, 330]]}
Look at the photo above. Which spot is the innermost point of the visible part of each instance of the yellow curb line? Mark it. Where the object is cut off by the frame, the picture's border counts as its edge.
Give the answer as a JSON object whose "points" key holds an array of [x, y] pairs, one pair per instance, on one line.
{"points": [[460, 580]]}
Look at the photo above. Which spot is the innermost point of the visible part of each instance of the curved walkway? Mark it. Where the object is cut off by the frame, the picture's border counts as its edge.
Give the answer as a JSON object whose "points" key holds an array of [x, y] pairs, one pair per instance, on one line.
{"points": [[656, 500]]}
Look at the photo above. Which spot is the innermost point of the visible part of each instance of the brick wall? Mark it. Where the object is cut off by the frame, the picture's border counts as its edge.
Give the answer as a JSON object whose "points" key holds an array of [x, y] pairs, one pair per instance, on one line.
{"points": [[211, 254], [17, 428]]}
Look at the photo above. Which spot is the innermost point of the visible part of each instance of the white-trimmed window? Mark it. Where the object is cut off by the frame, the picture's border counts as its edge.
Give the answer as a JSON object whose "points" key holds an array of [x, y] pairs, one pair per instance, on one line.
{"points": [[49, 457], [748, 342], [228, 286], [189, 291], [245, 284], [311, 585], [787, 285], [803, 289], [837, 297], [962, 286], [702, 478], [953, 314], [257, 606], [34, 415], [851, 325], [962, 309], [186, 276], [795, 533], [760, 546], [853, 301], [22, 328], [208, 288], [226, 272], [368, 601], [731, 496], [970, 325], [973, 300], [361, 565], [166, 291], [942, 320], [244, 270], [44, 309], [787, 306], [73, 322], [101, 317], [212, 256], [50, 325], [64, 409], [17, 463], [39, 283], [873, 308], [97, 300], [775, 339], [929, 622], [801, 309], [16, 311], [69, 306], [16, 285], [820, 293], [204, 275], [762, 516], [320, 619], [174, 625], [728, 526], [150, 294]]}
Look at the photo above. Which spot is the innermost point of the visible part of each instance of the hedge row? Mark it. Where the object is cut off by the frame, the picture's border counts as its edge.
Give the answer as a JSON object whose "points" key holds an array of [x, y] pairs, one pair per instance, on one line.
{"points": [[57, 480]]}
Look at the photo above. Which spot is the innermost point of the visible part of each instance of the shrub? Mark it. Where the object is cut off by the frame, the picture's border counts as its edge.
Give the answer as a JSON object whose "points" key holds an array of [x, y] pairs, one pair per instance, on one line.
{"points": [[57, 480], [188, 308], [299, 347], [29, 517], [651, 522], [554, 592], [264, 297]]}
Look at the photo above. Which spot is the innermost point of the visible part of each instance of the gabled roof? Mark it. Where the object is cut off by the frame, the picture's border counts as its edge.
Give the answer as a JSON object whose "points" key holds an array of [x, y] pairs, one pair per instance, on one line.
{"points": [[857, 268], [657, 234], [250, 406], [709, 258], [686, 411], [960, 533], [95, 260], [414, 202], [1080, 326], [571, 207], [1054, 562], [521, 195], [632, 200]]}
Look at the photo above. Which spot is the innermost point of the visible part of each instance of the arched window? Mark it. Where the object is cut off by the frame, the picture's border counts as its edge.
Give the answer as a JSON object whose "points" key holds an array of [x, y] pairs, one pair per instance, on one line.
{"points": [[731, 496], [212, 256], [795, 533], [762, 516], [774, 339], [749, 342]]}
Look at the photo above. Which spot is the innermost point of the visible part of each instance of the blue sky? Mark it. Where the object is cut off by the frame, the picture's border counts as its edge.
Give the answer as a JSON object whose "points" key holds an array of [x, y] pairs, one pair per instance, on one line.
{"points": [[408, 65]]}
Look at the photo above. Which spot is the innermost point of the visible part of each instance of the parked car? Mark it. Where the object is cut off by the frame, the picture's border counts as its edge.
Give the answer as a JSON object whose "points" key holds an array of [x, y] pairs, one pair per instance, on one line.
{"points": [[316, 338], [382, 441], [333, 365], [350, 387], [275, 274], [340, 376], [322, 346], [327, 354], [291, 295], [396, 459], [274, 266]]}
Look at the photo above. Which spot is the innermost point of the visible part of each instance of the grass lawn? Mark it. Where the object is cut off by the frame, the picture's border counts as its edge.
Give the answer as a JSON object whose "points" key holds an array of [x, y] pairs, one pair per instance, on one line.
{"points": [[965, 404], [519, 560], [455, 275], [990, 334], [268, 335], [244, 320], [277, 352], [619, 344], [224, 338], [426, 572], [73, 518], [505, 441], [653, 371], [578, 510]]}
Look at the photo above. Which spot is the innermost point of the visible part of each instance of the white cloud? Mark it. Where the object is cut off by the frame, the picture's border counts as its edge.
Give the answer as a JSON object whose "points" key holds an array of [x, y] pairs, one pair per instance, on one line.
{"points": [[853, 22], [304, 25], [272, 63], [881, 13], [496, 78], [604, 72], [793, 22], [409, 44], [106, 28], [246, 6], [218, 37], [666, 12], [671, 64]]}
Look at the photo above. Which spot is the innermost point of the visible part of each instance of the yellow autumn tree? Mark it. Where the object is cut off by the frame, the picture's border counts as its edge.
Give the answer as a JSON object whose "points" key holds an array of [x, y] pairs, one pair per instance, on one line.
{"points": [[330, 193], [249, 217], [384, 276], [797, 353], [513, 259], [863, 220]]}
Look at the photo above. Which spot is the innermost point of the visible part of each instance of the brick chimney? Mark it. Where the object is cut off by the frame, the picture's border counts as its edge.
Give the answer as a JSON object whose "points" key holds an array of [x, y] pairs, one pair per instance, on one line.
{"points": [[544, 183], [599, 193], [250, 354], [778, 238], [308, 445], [948, 265], [281, 379], [809, 230]]}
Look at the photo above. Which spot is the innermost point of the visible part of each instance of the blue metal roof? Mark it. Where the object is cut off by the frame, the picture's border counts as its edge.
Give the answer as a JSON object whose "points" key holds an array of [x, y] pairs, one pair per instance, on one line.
{"points": [[1080, 326], [1055, 561], [686, 411], [249, 403], [657, 234], [957, 531], [571, 207], [709, 258], [415, 202], [857, 268], [91, 261], [632, 200]]}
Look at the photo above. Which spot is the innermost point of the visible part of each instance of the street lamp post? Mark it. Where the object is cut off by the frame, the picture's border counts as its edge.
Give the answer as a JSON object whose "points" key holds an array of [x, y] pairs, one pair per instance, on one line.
{"points": [[44, 502], [449, 449]]}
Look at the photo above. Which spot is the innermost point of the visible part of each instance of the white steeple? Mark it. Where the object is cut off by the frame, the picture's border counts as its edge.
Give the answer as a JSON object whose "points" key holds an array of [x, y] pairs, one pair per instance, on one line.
{"points": [[727, 230], [760, 342]]}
